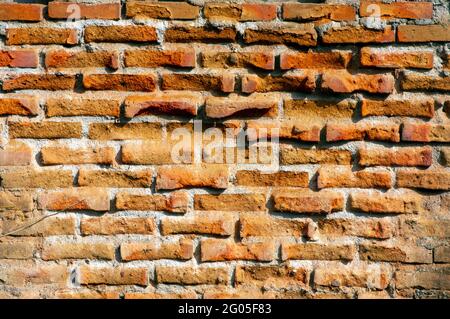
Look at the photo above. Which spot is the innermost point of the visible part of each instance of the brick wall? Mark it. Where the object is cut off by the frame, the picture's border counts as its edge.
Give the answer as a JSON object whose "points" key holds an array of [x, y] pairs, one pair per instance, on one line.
{"points": [[92, 94]]}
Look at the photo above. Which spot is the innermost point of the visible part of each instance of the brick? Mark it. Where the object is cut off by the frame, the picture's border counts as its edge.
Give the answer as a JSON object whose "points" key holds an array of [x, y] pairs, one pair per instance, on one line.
{"points": [[315, 60], [263, 226], [91, 275], [154, 152], [304, 82], [188, 275], [62, 59], [371, 57], [223, 250], [286, 277], [343, 176], [37, 35], [423, 227], [423, 33], [16, 200], [290, 155], [416, 107], [225, 60], [386, 203], [75, 199], [300, 36], [363, 131], [78, 250], [214, 176], [120, 33], [431, 279], [281, 178], [116, 178], [187, 294], [205, 224], [120, 82], [15, 154], [82, 107], [56, 155], [442, 254], [198, 82], [230, 202], [21, 12], [51, 226], [348, 34], [175, 202], [284, 130], [183, 250], [117, 225], [52, 82], [105, 11], [185, 104], [367, 276], [19, 105], [395, 252], [240, 12], [418, 132], [321, 12], [45, 130], [429, 179], [162, 10], [199, 34], [18, 248], [397, 10], [35, 274], [315, 251], [183, 58], [28, 178], [445, 155], [254, 105], [343, 82], [85, 294], [376, 228], [128, 131], [405, 156], [412, 81], [19, 59], [309, 202], [320, 110]]}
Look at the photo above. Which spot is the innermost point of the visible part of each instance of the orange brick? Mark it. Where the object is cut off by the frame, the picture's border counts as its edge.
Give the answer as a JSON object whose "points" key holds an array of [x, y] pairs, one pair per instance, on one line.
{"points": [[214, 176], [21, 12], [91, 275], [241, 12], [371, 57], [61, 59], [155, 58], [75, 199], [315, 60], [284, 130], [359, 132], [120, 82], [55, 155], [342, 176], [45, 130], [175, 202], [62, 10], [405, 156], [199, 34], [417, 107], [281, 178], [315, 251], [257, 60], [78, 250], [290, 155], [115, 178], [376, 228], [319, 110], [52, 82], [412, 81], [19, 105], [162, 10], [300, 36], [230, 202], [424, 33], [263, 226], [154, 152], [429, 179], [222, 250], [198, 224], [397, 10], [323, 12], [28, 178], [35, 274], [198, 82], [84, 107], [165, 103], [19, 58], [129, 131], [308, 202], [117, 225], [305, 82], [120, 33], [254, 105], [343, 82], [37, 35], [51, 226], [183, 250], [286, 277], [418, 132], [395, 252], [358, 35], [386, 203], [188, 275]]}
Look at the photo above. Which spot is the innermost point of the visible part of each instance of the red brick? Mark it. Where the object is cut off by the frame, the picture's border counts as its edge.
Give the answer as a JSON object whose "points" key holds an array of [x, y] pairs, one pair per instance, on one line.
{"points": [[315, 60], [52, 82], [120, 82], [277, 179], [15, 154], [205, 223], [115, 178], [343, 82], [426, 132], [214, 176], [120, 33], [323, 202], [386, 203], [371, 57], [405, 156], [198, 82], [241, 12], [19, 105], [343, 176], [222, 250], [397, 10], [429, 179], [74, 106], [154, 58], [315, 251], [188, 275], [92, 275], [128, 131], [322, 12], [199, 34], [412, 81], [64, 10], [166, 103], [162, 10], [362, 131], [304, 82], [37, 35], [183, 249], [75, 199], [117, 225], [418, 107], [19, 59], [257, 60], [349, 34], [45, 130], [254, 105], [21, 12], [300, 36], [175, 202], [230, 202], [62, 59], [423, 33], [376, 228]]}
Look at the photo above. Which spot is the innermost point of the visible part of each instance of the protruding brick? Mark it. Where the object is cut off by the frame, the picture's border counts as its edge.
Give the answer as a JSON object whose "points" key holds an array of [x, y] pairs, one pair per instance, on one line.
{"points": [[264, 226], [321, 12], [155, 58], [206, 224], [395, 252], [166, 103], [37, 35], [122, 178], [405, 156], [117, 225], [15, 154], [281, 178], [175, 202], [78, 250], [315, 251], [27, 178], [75, 199], [417, 107], [19, 59], [188, 275], [120, 33], [349, 34], [413, 81], [343, 82], [371, 57], [222, 250], [315, 60], [304, 82], [323, 202], [291, 155], [343, 176], [200, 34], [64, 10], [429, 179], [377, 228], [52, 82], [16, 200], [397, 10], [21, 12], [214, 176], [198, 82], [62, 59], [129, 131], [120, 82], [240, 12], [424, 33], [230, 202], [162, 10], [286, 277], [45, 130], [19, 105], [91, 275], [300, 36], [363, 131], [426, 132], [386, 203], [183, 250]]}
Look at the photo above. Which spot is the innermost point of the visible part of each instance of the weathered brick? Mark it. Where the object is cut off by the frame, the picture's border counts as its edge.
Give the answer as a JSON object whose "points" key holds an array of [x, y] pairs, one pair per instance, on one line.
{"points": [[19, 58], [343, 176], [348, 34], [176, 202], [230, 202], [115, 178], [254, 105], [162, 10], [206, 224], [166, 103], [309, 202], [315, 60], [18, 248], [155, 152], [240, 12], [28, 178], [281, 178], [85, 294], [199, 34], [62, 59], [371, 57], [264, 226], [321, 12], [120, 82], [290, 155], [91, 275], [75, 199], [45, 130], [56, 155], [62, 10], [341, 81], [78, 250], [214, 176], [285, 130], [16, 200], [37, 35], [117, 225], [127, 131], [120, 33], [423, 33], [418, 132], [417, 107], [363, 131], [35, 274], [405, 156], [186, 294], [395, 252], [319, 110], [429, 179], [198, 82], [183, 249], [397, 10], [19, 105], [21, 12], [52, 82], [155, 58], [315, 251], [82, 107], [15, 154], [50, 226], [378, 228], [413, 81], [222, 250], [271, 276], [305, 82], [423, 227], [257, 60], [445, 154], [386, 203], [431, 279], [442, 254], [188, 275], [299, 36]]}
